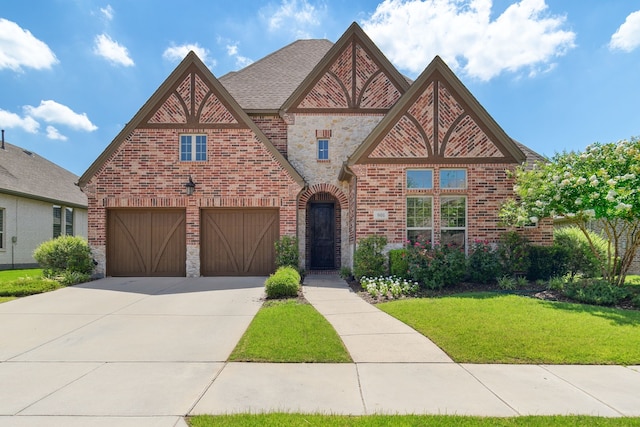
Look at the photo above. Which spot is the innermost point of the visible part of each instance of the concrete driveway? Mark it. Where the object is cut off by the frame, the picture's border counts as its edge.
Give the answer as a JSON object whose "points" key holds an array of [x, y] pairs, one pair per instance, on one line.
{"points": [[119, 351]]}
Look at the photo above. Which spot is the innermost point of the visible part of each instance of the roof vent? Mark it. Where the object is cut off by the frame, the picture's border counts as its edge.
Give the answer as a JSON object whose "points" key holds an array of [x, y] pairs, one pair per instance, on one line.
{"points": [[28, 153]]}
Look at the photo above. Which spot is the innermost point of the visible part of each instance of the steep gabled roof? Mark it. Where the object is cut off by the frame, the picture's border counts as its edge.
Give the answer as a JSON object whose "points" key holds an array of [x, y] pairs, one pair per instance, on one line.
{"points": [[437, 121], [26, 174], [353, 74], [266, 84], [190, 97]]}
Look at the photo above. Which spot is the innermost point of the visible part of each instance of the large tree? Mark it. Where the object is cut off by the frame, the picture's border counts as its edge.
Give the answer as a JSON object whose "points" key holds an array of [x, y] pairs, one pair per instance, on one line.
{"points": [[599, 186]]}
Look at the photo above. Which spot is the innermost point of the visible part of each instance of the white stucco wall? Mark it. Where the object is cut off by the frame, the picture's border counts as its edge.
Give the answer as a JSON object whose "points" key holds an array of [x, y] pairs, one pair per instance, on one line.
{"points": [[347, 133], [31, 223]]}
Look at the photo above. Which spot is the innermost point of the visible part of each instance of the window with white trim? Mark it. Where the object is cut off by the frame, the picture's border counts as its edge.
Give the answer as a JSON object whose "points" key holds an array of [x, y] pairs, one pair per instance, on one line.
{"points": [[193, 148], [419, 179], [453, 179], [2, 232], [420, 219], [323, 149], [62, 221], [453, 221]]}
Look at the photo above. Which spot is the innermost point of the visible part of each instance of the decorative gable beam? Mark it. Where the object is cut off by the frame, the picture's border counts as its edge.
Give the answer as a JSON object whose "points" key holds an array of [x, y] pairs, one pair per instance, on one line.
{"points": [[437, 121]]}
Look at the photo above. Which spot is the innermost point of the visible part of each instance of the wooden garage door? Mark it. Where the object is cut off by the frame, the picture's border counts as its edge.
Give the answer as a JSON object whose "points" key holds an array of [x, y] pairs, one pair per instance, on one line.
{"points": [[238, 242], [146, 242]]}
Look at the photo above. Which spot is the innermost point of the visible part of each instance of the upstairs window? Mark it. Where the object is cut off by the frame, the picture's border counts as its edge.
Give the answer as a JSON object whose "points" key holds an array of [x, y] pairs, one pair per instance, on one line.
{"points": [[323, 149], [57, 221], [2, 233], [420, 179], [68, 221], [62, 221], [453, 179], [193, 148]]}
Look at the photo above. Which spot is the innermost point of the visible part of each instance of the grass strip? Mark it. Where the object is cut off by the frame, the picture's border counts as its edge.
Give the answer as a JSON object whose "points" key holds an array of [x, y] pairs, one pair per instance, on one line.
{"points": [[306, 420], [498, 328], [290, 331]]}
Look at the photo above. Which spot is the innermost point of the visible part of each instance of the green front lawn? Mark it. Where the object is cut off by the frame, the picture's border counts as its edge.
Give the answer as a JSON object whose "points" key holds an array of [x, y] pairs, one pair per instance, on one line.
{"points": [[290, 331], [302, 420], [20, 283], [496, 328]]}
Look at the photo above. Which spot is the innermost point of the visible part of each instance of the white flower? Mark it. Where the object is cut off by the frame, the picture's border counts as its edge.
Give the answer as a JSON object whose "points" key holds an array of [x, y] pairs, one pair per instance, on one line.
{"points": [[611, 196], [539, 203], [564, 183], [581, 180], [578, 201], [589, 213], [623, 206], [556, 197], [629, 176], [534, 219], [570, 215], [567, 174], [612, 182]]}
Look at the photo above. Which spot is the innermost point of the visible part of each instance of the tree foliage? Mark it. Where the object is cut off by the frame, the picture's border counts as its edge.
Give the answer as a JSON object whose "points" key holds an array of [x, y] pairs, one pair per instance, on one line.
{"points": [[600, 184]]}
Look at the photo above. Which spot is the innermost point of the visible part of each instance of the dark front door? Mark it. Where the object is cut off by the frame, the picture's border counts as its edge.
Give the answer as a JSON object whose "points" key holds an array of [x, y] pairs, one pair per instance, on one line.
{"points": [[323, 226]]}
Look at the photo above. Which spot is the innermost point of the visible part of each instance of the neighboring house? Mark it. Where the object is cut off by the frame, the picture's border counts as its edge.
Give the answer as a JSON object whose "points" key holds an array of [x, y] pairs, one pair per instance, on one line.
{"points": [[326, 142], [38, 201]]}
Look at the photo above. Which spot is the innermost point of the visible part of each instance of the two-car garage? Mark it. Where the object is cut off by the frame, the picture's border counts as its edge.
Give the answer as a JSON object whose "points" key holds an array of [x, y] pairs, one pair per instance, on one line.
{"points": [[153, 242]]}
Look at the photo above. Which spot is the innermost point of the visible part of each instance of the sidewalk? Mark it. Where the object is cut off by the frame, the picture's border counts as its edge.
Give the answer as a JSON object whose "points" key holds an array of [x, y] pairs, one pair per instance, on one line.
{"points": [[399, 371]]}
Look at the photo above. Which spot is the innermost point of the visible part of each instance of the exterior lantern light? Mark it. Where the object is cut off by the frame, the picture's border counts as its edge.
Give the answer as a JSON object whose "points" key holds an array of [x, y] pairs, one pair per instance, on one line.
{"points": [[190, 186]]}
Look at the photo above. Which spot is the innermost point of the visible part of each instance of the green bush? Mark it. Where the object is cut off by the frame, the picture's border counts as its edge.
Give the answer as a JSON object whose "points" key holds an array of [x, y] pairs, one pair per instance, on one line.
{"points": [[581, 258], [368, 259], [398, 263], [507, 283], [636, 301], [345, 272], [70, 278], [483, 264], [598, 292], [546, 262], [284, 283], [434, 266], [513, 252], [64, 253], [287, 252], [25, 286], [556, 283]]}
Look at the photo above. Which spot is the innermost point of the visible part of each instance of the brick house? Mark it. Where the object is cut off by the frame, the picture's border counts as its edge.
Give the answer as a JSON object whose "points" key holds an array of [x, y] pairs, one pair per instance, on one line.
{"points": [[326, 142]]}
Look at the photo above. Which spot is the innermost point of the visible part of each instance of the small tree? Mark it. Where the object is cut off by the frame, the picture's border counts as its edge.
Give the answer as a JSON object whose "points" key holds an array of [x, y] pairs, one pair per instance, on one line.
{"points": [[64, 254], [600, 184]]}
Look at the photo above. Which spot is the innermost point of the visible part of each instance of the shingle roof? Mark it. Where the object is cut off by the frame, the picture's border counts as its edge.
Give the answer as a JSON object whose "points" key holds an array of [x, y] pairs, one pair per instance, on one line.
{"points": [[267, 83], [27, 174]]}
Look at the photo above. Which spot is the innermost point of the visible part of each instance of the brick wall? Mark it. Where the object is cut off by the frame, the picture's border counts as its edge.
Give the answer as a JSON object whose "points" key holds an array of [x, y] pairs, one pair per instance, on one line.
{"points": [[383, 187], [146, 172], [275, 128]]}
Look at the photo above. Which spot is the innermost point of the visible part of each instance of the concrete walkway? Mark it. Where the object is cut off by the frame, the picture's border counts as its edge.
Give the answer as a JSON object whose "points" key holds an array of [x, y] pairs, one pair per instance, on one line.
{"points": [[147, 352], [399, 371]]}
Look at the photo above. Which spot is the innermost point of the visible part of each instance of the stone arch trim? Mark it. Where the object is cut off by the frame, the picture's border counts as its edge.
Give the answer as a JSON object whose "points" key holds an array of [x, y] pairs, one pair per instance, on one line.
{"points": [[323, 188]]}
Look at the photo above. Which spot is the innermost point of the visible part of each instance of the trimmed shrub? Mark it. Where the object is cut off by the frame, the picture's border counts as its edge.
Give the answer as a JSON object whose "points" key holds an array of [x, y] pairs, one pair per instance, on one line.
{"points": [[546, 262], [284, 283], [287, 252], [64, 253], [25, 286], [483, 264], [513, 252], [435, 267], [598, 292], [398, 263], [368, 259], [581, 258]]}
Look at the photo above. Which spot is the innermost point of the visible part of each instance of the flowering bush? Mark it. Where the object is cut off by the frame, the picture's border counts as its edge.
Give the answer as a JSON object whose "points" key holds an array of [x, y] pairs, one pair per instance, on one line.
{"points": [[483, 264], [368, 259], [390, 287], [435, 266], [602, 184]]}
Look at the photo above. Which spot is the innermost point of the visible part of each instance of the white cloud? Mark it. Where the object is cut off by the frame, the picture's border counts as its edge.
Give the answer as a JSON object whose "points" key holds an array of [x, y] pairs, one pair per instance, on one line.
{"points": [[177, 53], [627, 37], [9, 120], [52, 133], [19, 48], [52, 112], [241, 61], [112, 51], [294, 16], [107, 12], [524, 36]]}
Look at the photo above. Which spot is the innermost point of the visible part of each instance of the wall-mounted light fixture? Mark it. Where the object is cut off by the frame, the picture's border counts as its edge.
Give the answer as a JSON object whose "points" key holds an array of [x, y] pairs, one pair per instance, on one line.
{"points": [[190, 186]]}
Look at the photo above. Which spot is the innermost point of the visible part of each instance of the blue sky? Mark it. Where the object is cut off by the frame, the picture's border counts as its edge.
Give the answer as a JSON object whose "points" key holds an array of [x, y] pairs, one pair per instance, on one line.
{"points": [[556, 74]]}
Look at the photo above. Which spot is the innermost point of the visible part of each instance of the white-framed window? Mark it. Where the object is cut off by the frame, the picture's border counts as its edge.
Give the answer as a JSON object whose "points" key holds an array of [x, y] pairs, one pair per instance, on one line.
{"points": [[420, 218], [453, 179], [419, 179], [193, 148], [453, 221], [62, 221], [2, 230], [323, 149]]}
